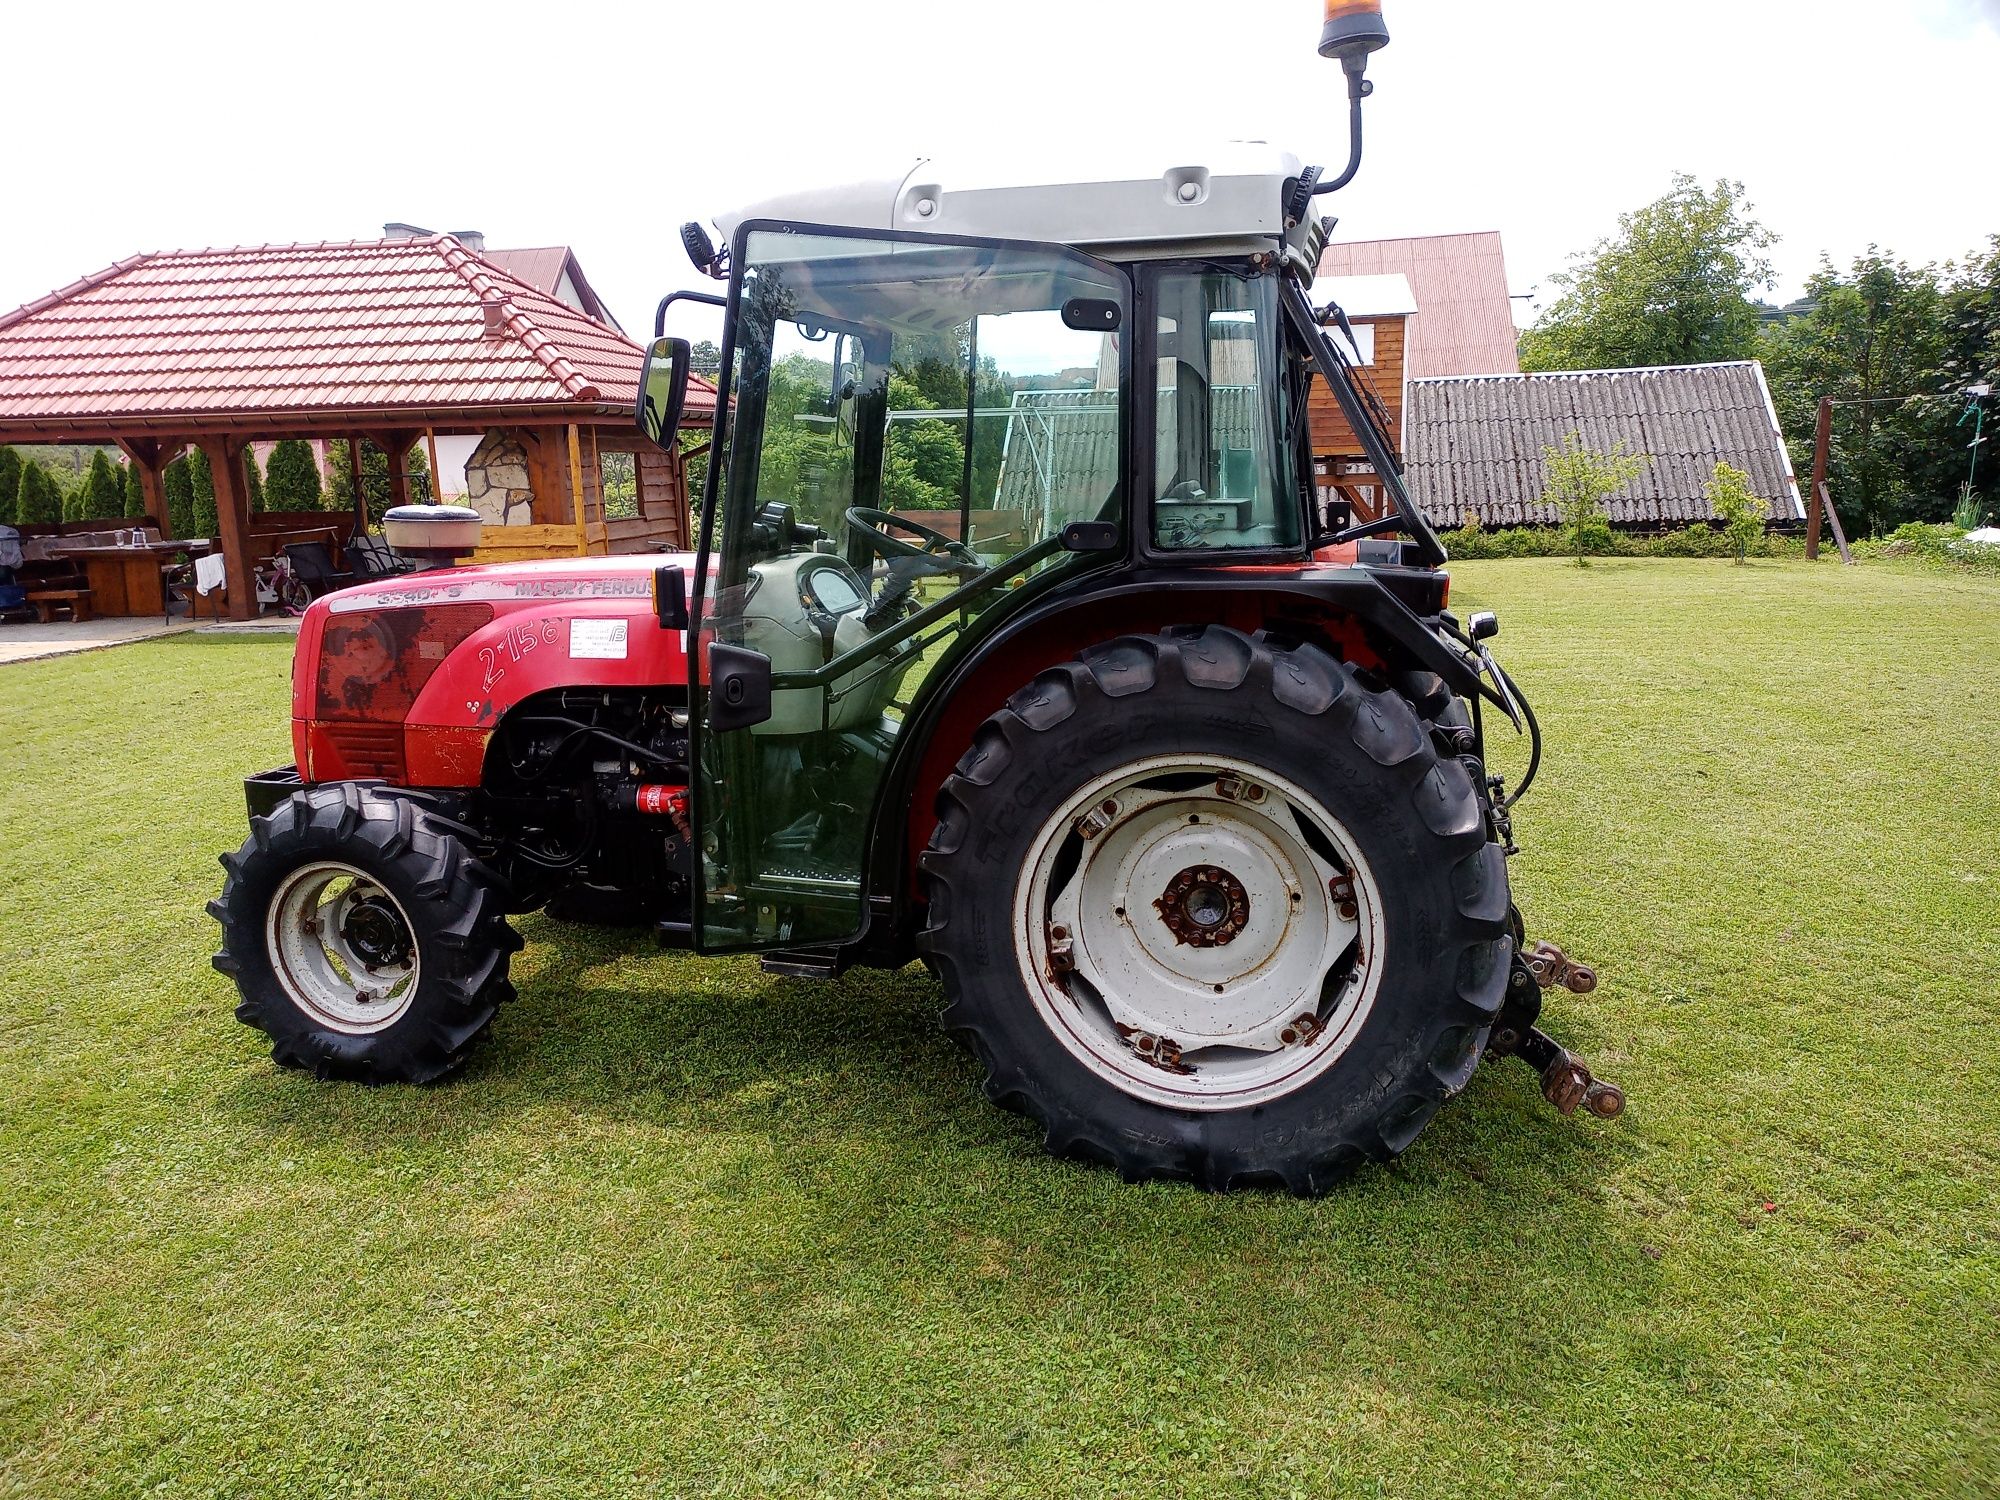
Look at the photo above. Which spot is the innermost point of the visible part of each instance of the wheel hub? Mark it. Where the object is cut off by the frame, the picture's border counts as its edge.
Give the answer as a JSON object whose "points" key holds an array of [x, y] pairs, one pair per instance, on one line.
{"points": [[1247, 974], [375, 933], [1204, 906]]}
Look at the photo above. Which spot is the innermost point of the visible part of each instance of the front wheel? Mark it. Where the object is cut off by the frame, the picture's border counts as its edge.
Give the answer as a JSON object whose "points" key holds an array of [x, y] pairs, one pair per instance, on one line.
{"points": [[1210, 908], [364, 937]]}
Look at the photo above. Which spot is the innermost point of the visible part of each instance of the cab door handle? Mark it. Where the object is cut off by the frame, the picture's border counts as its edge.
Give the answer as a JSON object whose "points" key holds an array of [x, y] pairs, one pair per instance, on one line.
{"points": [[739, 687]]}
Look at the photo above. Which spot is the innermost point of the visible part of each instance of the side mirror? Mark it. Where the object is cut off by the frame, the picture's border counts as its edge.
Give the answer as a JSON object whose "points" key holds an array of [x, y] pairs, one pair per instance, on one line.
{"points": [[1485, 625], [663, 390], [670, 600]]}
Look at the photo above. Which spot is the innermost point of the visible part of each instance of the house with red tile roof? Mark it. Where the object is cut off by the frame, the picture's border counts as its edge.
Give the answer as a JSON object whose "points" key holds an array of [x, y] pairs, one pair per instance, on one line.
{"points": [[392, 341]]}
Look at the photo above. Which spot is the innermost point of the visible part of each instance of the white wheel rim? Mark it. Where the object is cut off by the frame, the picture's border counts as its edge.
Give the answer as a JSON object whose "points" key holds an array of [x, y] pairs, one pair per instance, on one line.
{"points": [[1186, 989], [342, 948]]}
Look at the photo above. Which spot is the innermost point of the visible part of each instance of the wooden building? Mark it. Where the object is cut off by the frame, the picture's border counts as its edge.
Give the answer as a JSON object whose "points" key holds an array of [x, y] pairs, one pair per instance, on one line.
{"points": [[1378, 309]]}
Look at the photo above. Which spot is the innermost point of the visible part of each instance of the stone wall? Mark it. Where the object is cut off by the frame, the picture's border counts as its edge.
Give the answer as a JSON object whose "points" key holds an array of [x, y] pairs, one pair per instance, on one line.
{"points": [[496, 480]]}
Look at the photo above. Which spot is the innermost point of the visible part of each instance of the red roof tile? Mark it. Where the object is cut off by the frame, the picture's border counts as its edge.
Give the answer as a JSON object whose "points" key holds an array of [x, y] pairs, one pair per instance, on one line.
{"points": [[369, 326]]}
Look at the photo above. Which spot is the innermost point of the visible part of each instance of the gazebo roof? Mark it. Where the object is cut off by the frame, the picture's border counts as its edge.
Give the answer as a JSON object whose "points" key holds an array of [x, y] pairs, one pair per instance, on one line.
{"points": [[418, 330]]}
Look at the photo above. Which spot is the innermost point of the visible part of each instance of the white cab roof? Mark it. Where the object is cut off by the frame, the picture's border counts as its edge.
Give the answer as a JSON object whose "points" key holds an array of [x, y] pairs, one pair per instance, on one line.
{"points": [[1226, 199]]}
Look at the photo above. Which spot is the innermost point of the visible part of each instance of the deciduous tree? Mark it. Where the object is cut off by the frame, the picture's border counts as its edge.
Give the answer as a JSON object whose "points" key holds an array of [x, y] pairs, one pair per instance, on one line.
{"points": [[1739, 513], [1578, 480], [1672, 287], [1874, 336]]}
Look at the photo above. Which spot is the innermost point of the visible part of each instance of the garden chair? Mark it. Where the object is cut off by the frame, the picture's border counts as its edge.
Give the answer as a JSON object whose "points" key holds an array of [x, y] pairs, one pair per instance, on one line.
{"points": [[311, 563]]}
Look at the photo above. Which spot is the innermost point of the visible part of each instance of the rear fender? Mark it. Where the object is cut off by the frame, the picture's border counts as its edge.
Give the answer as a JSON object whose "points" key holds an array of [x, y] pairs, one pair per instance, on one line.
{"points": [[1346, 609]]}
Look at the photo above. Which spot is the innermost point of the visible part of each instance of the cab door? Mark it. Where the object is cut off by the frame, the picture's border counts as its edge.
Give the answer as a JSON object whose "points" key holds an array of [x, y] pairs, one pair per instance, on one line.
{"points": [[916, 426]]}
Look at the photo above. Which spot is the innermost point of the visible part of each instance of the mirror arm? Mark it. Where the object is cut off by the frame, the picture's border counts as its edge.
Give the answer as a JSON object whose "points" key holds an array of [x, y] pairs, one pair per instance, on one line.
{"points": [[922, 620], [707, 299]]}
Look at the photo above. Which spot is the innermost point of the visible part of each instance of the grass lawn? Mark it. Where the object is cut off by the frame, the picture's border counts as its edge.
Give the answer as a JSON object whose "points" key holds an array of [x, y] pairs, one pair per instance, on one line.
{"points": [[684, 1229]]}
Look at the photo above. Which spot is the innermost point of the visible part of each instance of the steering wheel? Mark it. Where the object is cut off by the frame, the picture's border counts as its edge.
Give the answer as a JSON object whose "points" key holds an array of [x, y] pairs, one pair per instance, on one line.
{"points": [[871, 525]]}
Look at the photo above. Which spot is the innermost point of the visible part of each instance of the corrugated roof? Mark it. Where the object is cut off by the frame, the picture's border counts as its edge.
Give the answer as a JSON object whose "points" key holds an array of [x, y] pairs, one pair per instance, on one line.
{"points": [[365, 326], [1464, 324], [1061, 460], [1474, 445]]}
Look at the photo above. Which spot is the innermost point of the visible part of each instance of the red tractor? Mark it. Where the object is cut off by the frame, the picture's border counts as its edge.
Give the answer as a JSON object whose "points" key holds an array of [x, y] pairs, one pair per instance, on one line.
{"points": [[1019, 641]]}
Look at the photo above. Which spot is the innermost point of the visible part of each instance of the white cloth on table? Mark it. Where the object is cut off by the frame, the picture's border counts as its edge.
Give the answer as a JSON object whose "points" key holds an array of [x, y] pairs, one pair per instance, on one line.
{"points": [[210, 573]]}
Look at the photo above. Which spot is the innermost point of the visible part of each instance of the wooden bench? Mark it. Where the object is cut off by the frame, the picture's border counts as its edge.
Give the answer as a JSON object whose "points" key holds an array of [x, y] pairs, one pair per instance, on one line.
{"points": [[47, 601]]}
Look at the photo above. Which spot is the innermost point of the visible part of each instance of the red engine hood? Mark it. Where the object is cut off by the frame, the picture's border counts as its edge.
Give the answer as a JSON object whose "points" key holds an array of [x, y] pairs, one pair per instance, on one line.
{"points": [[441, 657], [501, 584]]}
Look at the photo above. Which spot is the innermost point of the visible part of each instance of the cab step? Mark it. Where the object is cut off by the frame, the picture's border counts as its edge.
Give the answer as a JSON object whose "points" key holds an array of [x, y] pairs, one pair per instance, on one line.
{"points": [[804, 963]]}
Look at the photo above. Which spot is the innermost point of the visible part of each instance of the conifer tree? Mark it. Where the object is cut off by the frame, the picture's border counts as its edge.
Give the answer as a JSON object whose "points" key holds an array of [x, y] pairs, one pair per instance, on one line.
{"points": [[177, 479], [39, 502], [293, 481], [204, 494], [253, 480], [101, 496], [10, 484]]}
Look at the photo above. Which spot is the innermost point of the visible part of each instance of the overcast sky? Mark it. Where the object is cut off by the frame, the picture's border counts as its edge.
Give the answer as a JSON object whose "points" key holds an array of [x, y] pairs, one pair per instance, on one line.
{"points": [[165, 125]]}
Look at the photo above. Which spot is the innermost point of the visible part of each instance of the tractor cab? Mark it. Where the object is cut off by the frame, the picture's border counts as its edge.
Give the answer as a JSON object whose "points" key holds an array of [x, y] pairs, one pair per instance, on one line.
{"points": [[932, 428]]}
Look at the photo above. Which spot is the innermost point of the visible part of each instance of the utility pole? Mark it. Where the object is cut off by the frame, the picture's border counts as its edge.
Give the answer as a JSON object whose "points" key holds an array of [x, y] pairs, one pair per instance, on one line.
{"points": [[1822, 437]]}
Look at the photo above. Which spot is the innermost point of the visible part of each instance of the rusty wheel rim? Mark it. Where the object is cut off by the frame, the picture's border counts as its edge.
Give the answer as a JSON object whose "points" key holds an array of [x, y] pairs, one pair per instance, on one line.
{"points": [[1201, 934]]}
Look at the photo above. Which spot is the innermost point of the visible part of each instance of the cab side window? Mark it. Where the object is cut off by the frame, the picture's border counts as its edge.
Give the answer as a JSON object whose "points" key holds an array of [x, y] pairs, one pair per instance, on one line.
{"points": [[1224, 476]]}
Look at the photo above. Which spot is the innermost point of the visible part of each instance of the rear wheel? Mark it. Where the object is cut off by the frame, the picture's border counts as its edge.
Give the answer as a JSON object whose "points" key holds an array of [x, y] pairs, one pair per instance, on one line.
{"points": [[364, 938], [1209, 908]]}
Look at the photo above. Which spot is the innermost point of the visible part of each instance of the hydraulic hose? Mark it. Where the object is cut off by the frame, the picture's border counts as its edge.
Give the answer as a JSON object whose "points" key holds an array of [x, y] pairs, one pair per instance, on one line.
{"points": [[1534, 737]]}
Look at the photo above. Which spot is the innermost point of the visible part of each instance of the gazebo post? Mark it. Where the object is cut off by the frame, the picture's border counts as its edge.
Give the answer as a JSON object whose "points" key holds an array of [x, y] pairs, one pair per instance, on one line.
{"points": [[149, 456], [232, 514], [357, 490], [396, 446]]}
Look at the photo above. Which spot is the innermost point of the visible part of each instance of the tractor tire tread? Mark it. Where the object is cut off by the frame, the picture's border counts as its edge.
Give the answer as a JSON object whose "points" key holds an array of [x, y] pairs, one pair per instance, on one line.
{"points": [[959, 944]]}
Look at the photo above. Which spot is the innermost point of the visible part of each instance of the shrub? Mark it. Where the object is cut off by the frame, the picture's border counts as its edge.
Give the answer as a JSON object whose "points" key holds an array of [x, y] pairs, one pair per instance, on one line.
{"points": [[292, 481], [1579, 480], [1740, 512], [135, 491]]}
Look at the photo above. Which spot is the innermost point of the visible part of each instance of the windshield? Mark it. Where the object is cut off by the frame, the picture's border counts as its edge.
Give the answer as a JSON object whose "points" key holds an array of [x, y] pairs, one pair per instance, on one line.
{"points": [[963, 385]]}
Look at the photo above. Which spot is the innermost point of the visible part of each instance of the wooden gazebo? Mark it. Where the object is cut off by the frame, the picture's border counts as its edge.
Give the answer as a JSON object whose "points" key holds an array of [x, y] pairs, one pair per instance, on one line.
{"points": [[394, 341]]}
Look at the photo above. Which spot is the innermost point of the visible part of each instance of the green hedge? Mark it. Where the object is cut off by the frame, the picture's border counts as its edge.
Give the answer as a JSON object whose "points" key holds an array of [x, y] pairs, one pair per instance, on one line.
{"points": [[1472, 542], [1942, 545]]}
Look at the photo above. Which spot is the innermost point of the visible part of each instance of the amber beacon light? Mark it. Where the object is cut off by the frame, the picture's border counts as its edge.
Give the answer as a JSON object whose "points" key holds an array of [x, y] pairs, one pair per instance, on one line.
{"points": [[1353, 29], [1354, 32]]}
